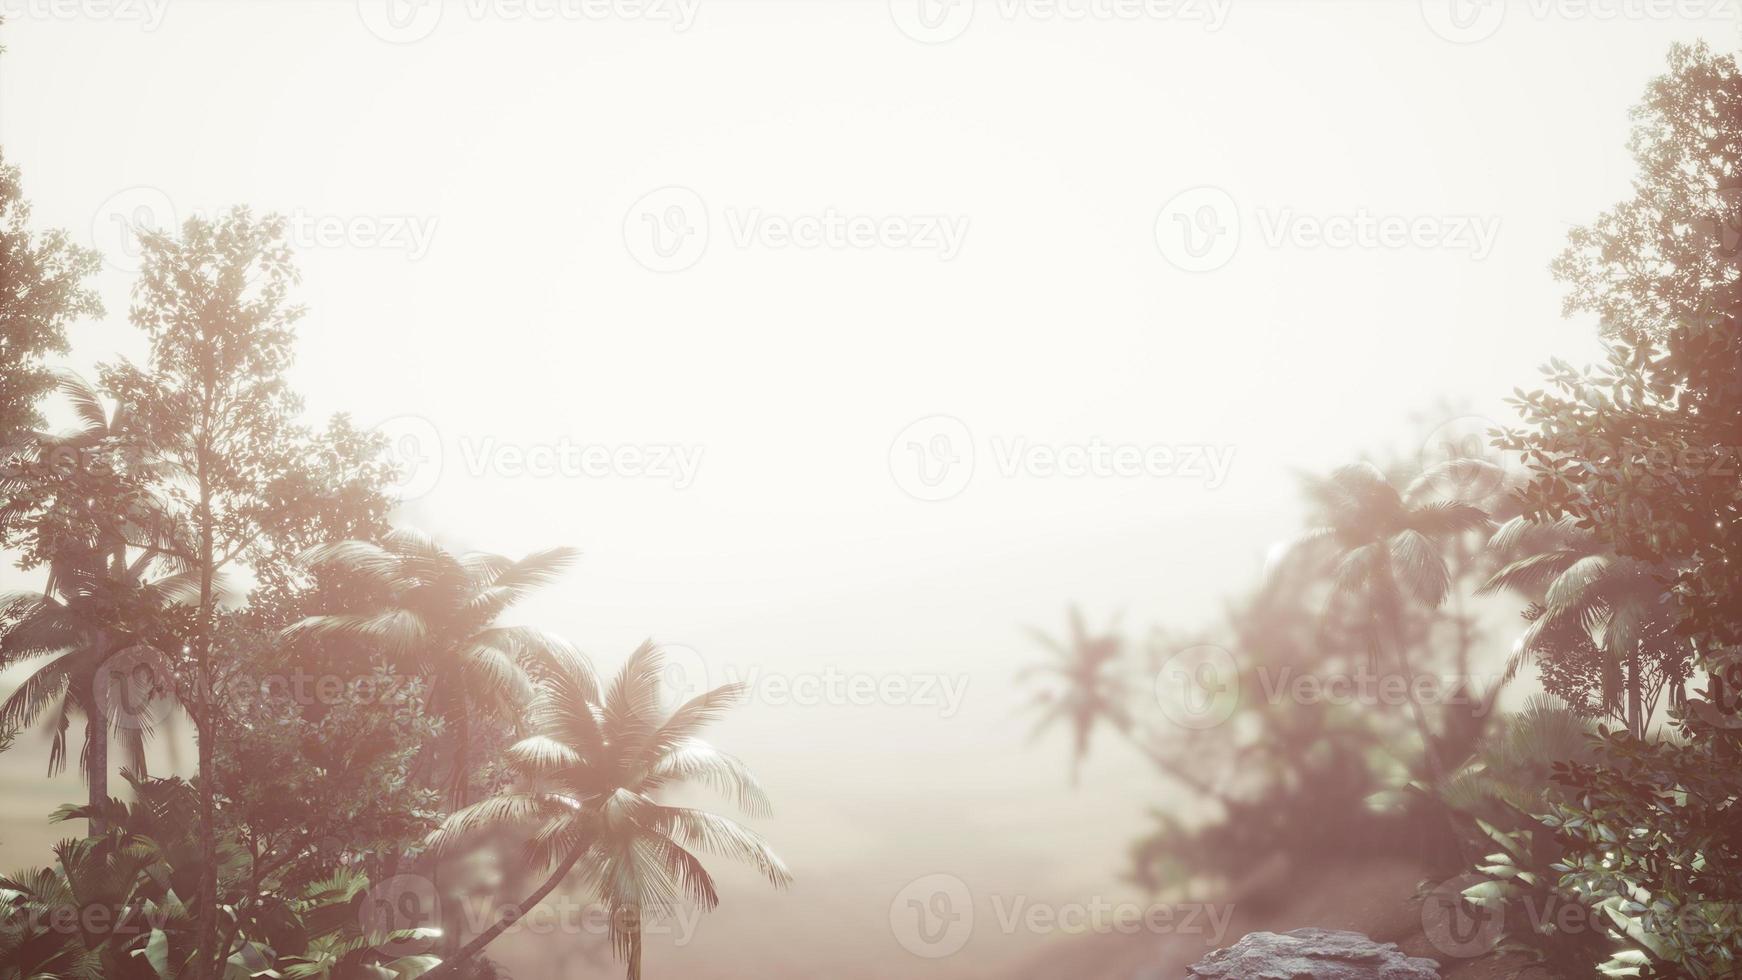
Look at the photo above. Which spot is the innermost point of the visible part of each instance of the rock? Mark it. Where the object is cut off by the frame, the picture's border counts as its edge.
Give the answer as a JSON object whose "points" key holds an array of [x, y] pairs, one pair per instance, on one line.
{"points": [[1311, 954]]}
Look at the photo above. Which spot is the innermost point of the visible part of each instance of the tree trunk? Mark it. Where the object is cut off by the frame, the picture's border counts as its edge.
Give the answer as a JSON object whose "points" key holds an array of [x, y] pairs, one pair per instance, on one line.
{"points": [[1635, 696], [207, 921], [206, 956], [635, 948], [1391, 629], [97, 763], [460, 780], [450, 965]]}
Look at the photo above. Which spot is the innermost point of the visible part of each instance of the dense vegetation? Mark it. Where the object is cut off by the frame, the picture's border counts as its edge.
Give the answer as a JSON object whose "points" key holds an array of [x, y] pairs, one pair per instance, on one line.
{"points": [[364, 716], [1598, 831]]}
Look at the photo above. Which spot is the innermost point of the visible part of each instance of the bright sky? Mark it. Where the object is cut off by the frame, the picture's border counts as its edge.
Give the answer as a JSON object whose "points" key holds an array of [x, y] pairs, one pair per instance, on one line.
{"points": [[1004, 245]]}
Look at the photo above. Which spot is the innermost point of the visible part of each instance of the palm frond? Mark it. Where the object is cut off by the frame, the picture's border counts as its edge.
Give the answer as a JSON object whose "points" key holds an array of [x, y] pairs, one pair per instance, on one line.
{"points": [[1420, 567], [718, 835], [1444, 517], [698, 761]]}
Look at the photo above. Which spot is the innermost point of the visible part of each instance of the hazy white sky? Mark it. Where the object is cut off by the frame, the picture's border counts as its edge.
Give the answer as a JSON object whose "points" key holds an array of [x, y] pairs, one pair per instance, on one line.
{"points": [[1003, 246]]}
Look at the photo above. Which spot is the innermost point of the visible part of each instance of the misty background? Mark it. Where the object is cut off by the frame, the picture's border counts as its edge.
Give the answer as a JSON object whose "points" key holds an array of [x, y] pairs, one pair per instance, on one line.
{"points": [[479, 285]]}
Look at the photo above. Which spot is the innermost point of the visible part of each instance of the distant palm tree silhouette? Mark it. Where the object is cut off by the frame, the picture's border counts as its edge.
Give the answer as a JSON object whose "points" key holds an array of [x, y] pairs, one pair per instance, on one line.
{"points": [[1094, 690], [1386, 553]]}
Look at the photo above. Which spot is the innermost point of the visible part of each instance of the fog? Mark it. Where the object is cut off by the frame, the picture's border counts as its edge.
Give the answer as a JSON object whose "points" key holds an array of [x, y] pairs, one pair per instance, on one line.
{"points": [[846, 348]]}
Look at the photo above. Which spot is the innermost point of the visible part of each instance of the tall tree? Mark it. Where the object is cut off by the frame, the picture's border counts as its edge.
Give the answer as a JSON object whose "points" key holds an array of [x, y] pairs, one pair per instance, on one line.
{"points": [[1643, 449], [213, 410], [1387, 554], [1586, 596], [438, 621], [590, 775], [1091, 687], [42, 289], [81, 509]]}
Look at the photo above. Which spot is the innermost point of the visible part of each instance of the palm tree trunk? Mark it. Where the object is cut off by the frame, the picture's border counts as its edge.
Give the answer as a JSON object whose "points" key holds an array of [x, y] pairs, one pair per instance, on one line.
{"points": [[1635, 698], [635, 948], [461, 778], [1391, 628], [97, 764], [450, 965]]}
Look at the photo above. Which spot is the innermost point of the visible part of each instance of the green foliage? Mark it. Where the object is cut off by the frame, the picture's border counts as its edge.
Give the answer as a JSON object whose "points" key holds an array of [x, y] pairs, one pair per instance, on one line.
{"points": [[1653, 836], [115, 905], [42, 290], [1634, 466], [1516, 894]]}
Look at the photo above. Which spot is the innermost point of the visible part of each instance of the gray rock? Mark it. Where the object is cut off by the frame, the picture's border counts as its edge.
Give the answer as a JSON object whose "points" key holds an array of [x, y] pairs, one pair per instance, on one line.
{"points": [[1311, 954]]}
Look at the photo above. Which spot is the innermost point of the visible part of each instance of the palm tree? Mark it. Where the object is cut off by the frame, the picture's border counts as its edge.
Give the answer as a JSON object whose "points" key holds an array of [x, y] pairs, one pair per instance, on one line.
{"points": [[589, 777], [1094, 688], [1586, 596], [1386, 554], [66, 625], [439, 622], [97, 601], [1096, 691]]}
